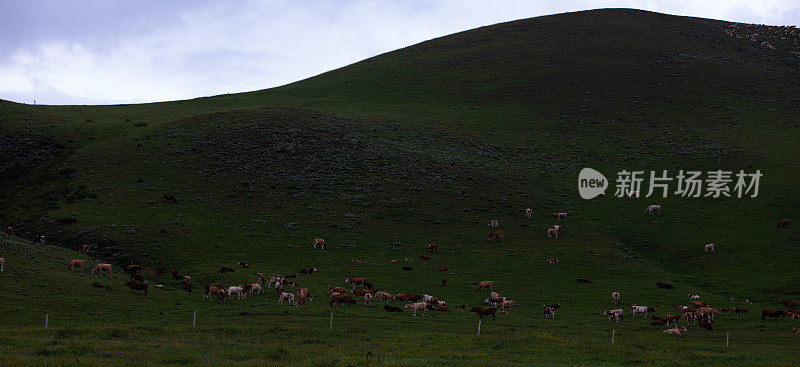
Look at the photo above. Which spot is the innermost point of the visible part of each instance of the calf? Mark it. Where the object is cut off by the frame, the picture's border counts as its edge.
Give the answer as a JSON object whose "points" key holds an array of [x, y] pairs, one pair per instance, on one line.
{"points": [[137, 286], [76, 263], [485, 311], [103, 268], [653, 209], [418, 306], [616, 314], [484, 284]]}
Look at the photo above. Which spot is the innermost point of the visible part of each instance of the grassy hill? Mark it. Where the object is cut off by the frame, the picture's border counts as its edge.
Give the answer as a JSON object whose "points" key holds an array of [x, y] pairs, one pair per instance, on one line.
{"points": [[423, 144]]}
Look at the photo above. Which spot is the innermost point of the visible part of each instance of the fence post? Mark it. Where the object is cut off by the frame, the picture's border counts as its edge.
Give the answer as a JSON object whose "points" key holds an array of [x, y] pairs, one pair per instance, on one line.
{"points": [[331, 320], [613, 334], [727, 339], [194, 319], [479, 327], [46, 320]]}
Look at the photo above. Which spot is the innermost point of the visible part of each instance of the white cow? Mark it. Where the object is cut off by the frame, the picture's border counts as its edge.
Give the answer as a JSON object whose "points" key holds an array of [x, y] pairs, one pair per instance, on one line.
{"points": [[616, 314], [418, 306], [528, 213], [238, 290], [615, 297], [653, 209], [285, 296], [638, 309], [709, 248]]}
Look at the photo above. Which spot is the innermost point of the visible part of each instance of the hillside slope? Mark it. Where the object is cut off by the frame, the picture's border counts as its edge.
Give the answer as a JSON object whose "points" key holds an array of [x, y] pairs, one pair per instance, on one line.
{"points": [[427, 144]]}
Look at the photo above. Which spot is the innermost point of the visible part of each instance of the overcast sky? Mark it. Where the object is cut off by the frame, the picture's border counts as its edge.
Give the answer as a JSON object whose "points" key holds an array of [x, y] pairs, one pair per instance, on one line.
{"points": [[107, 51]]}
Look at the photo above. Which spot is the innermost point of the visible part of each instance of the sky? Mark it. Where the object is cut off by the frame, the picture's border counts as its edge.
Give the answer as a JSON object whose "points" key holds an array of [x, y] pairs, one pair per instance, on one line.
{"points": [[111, 52]]}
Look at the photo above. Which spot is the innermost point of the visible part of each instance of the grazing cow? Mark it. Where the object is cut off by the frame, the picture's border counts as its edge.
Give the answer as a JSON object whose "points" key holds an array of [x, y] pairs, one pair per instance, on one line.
{"points": [[321, 242], [484, 284], [383, 296], [253, 288], [709, 248], [137, 286], [289, 297], [653, 209], [84, 249], [392, 308], [584, 280], [771, 313], [672, 318], [170, 198], [639, 309], [355, 281], [615, 314], [237, 290], [792, 314], [485, 311], [219, 290], [341, 298], [306, 293], [665, 285], [552, 232], [698, 304], [496, 236], [633, 194], [494, 223], [2, 264], [560, 216], [615, 297], [103, 268], [430, 299], [311, 270], [509, 304], [7, 231], [360, 292], [260, 278], [676, 331], [785, 223], [367, 300], [186, 285], [76, 263], [789, 304], [433, 247], [528, 213], [444, 282], [705, 324], [694, 296], [417, 306], [175, 274], [423, 257]]}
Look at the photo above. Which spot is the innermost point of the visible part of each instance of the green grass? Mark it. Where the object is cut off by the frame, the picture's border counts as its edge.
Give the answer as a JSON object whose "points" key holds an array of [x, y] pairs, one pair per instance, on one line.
{"points": [[424, 144]]}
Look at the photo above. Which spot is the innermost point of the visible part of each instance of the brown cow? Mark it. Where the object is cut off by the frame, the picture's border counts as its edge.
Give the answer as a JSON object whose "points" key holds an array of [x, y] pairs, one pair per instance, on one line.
{"points": [[186, 286], [771, 313], [336, 290], [360, 292], [496, 235], [102, 268], [697, 304], [321, 242], [341, 298], [485, 311], [137, 286], [84, 249], [484, 284], [76, 263], [790, 304], [785, 223], [432, 247]]}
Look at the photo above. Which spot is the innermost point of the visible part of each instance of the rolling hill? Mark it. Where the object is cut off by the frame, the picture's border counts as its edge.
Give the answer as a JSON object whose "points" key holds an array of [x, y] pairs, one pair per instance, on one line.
{"points": [[419, 145]]}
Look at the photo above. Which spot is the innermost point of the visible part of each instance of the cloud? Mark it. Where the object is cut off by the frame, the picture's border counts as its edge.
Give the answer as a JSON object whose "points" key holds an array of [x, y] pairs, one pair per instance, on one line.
{"points": [[110, 52]]}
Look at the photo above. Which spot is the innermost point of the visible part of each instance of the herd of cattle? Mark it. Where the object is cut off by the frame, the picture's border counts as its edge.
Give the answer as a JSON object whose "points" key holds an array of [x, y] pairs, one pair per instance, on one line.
{"points": [[696, 312]]}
